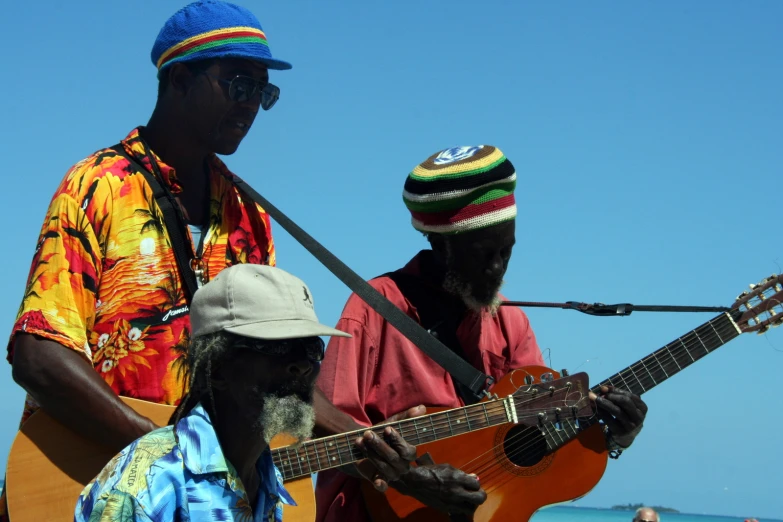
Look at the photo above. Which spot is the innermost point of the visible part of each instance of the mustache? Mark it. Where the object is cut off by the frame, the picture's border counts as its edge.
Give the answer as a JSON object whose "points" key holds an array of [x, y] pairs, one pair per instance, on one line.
{"points": [[301, 389]]}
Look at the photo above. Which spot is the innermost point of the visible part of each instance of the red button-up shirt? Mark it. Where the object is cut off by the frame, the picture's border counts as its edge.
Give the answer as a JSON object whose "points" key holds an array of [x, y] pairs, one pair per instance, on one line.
{"points": [[378, 373]]}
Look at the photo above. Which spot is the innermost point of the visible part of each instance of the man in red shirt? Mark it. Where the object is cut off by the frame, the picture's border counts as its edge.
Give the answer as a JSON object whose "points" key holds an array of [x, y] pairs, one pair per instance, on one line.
{"points": [[462, 199]]}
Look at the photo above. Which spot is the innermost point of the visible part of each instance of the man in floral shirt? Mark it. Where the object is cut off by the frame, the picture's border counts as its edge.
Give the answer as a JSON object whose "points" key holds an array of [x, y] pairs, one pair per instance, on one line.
{"points": [[252, 365], [105, 312]]}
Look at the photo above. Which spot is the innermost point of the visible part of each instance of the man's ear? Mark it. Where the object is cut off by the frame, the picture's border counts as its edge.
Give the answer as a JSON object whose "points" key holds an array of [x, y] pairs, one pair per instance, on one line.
{"points": [[438, 244], [181, 79]]}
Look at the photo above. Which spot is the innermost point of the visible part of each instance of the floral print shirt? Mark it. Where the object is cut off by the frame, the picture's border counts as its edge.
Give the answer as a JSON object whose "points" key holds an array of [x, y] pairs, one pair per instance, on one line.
{"points": [[160, 477], [104, 281]]}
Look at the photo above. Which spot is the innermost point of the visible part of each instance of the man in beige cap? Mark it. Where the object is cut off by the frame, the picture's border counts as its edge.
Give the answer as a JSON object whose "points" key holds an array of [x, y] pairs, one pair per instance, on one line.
{"points": [[251, 366]]}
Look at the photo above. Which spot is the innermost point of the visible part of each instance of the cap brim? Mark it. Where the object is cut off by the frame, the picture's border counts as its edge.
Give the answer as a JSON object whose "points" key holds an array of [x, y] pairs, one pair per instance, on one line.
{"points": [[285, 329], [271, 63]]}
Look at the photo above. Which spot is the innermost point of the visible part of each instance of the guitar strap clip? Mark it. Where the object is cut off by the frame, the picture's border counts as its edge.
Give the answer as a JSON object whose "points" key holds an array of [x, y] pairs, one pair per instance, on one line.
{"points": [[601, 309]]}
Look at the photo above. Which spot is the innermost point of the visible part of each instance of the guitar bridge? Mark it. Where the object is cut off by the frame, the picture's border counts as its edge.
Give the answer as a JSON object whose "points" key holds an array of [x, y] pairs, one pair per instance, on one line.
{"points": [[511, 410]]}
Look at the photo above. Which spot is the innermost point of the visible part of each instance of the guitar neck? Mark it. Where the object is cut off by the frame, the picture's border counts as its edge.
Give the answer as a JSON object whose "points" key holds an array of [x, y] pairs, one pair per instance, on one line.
{"points": [[662, 364], [652, 370], [339, 450]]}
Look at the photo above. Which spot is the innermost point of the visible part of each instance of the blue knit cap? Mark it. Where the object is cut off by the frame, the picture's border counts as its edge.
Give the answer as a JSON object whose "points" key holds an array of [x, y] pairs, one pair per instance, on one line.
{"points": [[212, 29]]}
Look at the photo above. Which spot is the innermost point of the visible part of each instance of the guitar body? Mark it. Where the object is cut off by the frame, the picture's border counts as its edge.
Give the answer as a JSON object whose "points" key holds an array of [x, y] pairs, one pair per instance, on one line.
{"points": [[49, 465], [518, 483]]}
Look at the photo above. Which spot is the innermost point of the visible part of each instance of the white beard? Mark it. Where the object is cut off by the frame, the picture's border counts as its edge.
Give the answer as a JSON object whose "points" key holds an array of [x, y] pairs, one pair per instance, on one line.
{"points": [[290, 415]]}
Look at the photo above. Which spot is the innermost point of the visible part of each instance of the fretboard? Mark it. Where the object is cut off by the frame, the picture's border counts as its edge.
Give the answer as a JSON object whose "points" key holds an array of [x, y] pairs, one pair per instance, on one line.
{"points": [[651, 371], [338, 450]]}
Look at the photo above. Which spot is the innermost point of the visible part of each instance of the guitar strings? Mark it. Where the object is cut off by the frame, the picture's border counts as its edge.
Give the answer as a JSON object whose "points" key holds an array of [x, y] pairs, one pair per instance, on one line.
{"points": [[517, 445], [522, 442], [496, 414], [302, 459], [536, 435], [525, 440], [493, 413]]}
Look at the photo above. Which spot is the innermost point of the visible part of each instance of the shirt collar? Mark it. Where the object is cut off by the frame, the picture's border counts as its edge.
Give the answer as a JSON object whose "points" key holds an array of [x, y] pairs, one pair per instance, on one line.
{"points": [[134, 146], [201, 454]]}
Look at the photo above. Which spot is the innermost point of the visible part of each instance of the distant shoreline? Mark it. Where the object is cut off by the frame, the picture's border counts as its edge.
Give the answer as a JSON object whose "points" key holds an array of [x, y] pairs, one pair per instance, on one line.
{"points": [[634, 507], [728, 517]]}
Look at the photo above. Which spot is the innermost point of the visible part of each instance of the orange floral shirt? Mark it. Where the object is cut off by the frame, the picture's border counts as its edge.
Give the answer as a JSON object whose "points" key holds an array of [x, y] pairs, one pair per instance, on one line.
{"points": [[104, 281]]}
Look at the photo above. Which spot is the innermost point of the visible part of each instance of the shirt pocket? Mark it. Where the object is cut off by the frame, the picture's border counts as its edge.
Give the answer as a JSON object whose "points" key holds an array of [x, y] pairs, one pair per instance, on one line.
{"points": [[495, 365]]}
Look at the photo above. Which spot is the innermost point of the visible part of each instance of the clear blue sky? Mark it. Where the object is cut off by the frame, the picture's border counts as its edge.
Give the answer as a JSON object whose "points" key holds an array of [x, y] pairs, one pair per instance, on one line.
{"points": [[646, 136]]}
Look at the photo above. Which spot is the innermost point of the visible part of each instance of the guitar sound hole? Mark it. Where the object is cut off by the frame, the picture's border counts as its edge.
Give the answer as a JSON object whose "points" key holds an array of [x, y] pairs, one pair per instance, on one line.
{"points": [[524, 446]]}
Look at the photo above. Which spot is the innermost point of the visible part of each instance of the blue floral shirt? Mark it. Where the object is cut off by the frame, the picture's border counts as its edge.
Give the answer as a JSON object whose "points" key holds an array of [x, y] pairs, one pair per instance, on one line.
{"points": [[159, 479]]}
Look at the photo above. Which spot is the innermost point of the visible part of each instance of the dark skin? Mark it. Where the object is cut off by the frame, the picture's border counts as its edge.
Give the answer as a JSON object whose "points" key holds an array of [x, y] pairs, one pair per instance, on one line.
{"points": [[240, 384], [481, 259], [193, 118]]}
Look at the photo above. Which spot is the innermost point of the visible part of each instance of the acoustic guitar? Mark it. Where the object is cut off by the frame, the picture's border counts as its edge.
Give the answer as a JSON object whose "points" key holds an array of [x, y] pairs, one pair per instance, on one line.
{"points": [[524, 467], [49, 465]]}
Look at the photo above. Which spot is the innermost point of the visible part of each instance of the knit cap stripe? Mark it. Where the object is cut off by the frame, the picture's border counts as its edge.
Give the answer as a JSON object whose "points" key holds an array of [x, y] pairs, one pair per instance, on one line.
{"points": [[473, 197], [430, 175], [217, 34], [437, 185], [429, 169], [409, 197], [474, 223], [453, 216], [253, 40]]}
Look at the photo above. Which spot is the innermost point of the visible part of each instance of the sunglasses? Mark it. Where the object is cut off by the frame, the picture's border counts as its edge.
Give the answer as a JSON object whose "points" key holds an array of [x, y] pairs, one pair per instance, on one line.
{"points": [[244, 88], [313, 347]]}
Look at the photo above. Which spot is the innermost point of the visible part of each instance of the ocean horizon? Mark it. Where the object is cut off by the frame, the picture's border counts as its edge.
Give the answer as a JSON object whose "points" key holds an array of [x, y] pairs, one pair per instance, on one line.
{"points": [[590, 514]]}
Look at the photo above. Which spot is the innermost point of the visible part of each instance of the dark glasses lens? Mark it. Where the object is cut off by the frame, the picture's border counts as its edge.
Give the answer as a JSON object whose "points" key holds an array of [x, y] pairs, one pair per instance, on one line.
{"points": [[269, 95], [313, 347], [243, 88]]}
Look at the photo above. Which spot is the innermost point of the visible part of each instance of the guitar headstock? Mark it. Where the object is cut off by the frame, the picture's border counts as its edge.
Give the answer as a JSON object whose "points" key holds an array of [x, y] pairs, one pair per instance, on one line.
{"points": [[549, 400], [762, 306]]}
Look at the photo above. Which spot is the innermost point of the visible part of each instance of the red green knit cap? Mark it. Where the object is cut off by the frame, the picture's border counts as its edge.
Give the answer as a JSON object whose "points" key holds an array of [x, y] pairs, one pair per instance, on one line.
{"points": [[461, 189]]}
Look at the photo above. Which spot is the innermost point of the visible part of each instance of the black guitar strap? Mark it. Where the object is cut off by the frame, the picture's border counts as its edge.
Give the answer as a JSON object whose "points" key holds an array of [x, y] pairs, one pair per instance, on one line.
{"points": [[477, 383], [172, 217], [440, 317], [472, 382]]}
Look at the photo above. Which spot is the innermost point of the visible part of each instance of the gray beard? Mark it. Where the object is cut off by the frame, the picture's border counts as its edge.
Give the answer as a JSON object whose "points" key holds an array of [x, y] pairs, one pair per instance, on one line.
{"points": [[290, 415], [454, 284]]}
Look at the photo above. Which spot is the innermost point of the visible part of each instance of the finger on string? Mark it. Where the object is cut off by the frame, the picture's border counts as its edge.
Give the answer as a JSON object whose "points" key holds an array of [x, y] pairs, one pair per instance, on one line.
{"points": [[388, 462], [628, 410], [415, 411], [605, 408], [469, 481], [405, 450]]}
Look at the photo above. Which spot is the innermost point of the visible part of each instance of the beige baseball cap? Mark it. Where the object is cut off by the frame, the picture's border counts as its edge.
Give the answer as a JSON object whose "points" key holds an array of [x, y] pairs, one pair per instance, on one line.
{"points": [[257, 301]]}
